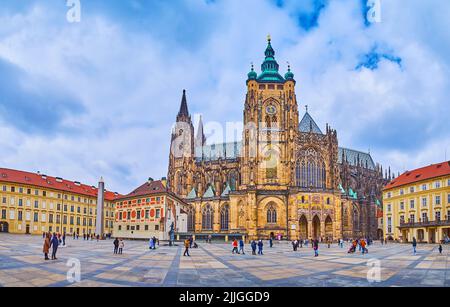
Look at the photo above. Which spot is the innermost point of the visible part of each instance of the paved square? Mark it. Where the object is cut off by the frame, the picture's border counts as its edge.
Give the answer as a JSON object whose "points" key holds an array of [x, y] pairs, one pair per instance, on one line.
{"points": [[22, 264]]}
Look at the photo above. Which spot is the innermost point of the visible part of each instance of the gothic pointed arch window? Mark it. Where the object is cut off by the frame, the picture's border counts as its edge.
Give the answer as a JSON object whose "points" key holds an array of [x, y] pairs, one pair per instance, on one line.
{"points": [[207, 217], [271, 163], [356, 220], [179, 182], [233, 179], [271, 214], [310, 170], [225, 217], [191, 219]]}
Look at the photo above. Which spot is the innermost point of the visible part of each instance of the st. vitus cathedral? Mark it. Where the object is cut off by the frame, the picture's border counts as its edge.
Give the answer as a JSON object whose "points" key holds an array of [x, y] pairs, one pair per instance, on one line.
{"points": [[286, 178]]}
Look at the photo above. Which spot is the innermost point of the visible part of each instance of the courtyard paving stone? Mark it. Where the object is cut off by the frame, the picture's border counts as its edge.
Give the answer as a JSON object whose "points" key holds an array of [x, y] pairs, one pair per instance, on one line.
{"points": [[213, 265]]}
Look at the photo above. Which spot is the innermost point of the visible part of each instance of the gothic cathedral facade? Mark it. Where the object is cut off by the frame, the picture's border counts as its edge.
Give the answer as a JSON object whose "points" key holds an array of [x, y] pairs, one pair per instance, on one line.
{"points": [[286, 177]]}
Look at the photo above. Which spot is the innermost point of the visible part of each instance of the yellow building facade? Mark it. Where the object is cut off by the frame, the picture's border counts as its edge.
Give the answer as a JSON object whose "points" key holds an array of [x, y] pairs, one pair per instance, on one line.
{"points": [[417, 205], [33, 203]]}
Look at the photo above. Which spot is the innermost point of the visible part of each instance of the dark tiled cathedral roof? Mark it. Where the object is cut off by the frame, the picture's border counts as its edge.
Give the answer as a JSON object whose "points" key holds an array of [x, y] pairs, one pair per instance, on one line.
{"points": [[308, 124], [351, 156]]}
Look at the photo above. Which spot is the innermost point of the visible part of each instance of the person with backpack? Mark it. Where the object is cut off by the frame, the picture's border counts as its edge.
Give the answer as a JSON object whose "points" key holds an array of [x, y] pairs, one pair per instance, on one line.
{"points": [[253, 244], [260, 247], [241, 247], [186, 248], [235, 247]]}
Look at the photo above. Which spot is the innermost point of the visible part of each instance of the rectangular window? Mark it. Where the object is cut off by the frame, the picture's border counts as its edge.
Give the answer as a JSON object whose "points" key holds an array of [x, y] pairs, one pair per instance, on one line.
{"points": [[138, 227], [36, 192], [13, 189], [19, 215], [402, 192], [389, 208], [20, 202], [438, 216], [402, 205], [402, 219], [412, 218], [50, 218], [424, 201], [4, 199], [448, 198], [44, 193], [4, 214], [411, 189], [128, 215], [158, 213], [58, 219], [36, 217], [157, 227], [36, 204], [4, 188], [120, 227], [146, 227], [147, 213], [424, 217], [29, 191], [43, 217], [437, 184], [411, 203], [65, 219], [424, 187], [437, 200]]}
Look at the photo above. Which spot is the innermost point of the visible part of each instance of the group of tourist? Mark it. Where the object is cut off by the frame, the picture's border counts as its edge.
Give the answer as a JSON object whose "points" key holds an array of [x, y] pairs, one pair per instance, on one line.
{"points": [[153, 242], [51, 241], [360, 244], [119, 244]]}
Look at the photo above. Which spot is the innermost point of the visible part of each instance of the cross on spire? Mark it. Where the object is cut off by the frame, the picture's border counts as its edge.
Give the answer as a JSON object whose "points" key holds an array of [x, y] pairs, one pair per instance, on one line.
{"points": [[306, 107]]}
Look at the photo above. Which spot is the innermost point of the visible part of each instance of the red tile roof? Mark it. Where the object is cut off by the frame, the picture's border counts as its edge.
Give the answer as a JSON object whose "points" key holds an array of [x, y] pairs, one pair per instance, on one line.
{"points": [[420, 174], [148, 188], [47, 182]]}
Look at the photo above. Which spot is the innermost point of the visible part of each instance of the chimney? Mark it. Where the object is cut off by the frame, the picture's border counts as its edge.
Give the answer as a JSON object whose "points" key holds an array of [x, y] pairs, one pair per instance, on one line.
{"points": [[150, 180]]}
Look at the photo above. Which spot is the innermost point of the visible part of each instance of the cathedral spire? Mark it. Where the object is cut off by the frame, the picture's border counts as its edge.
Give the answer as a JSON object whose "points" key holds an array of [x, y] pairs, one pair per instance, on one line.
{"points": [[184, 112], [270, 67], [200, 138]]}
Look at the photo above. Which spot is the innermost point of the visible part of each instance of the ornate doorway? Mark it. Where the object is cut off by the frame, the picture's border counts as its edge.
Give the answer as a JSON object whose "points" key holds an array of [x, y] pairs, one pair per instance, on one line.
{"points": [[316, 227], [328, 228], [303, 228], [4, 227]]}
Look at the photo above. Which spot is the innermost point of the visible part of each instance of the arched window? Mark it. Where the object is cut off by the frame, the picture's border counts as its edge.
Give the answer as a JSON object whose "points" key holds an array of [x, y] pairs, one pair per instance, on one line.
{"points": [[310, 170], [191, 219], [179, 183], [233, 180], [224, 217], [271, 215], [207, 218]]}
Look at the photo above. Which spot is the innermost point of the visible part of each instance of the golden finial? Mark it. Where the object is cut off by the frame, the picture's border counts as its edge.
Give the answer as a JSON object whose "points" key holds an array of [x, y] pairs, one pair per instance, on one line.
{"points": [[269, 38]]}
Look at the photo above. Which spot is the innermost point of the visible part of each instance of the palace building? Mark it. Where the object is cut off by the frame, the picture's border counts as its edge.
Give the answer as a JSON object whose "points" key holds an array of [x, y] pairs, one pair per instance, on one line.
{"points": [[285, 178], [417, 204], [33, 203], [150, 211]]}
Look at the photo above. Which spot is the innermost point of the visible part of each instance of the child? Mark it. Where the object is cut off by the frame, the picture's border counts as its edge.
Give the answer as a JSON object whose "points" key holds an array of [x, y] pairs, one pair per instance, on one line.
{"points": [[440, 249], [121, 246]]}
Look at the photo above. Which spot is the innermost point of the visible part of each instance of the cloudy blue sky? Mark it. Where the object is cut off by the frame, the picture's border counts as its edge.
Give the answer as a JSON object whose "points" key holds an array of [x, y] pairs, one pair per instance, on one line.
{"points": [[98, 97]]}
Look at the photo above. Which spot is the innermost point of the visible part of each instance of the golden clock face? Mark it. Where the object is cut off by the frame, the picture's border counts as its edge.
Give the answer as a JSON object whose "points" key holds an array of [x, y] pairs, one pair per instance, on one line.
{"points": [[271, 110]]}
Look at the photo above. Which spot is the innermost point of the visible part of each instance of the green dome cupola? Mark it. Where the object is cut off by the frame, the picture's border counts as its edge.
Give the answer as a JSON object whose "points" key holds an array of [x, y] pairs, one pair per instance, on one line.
{"points": [[289, 75], [252, 75], [270, 67]]}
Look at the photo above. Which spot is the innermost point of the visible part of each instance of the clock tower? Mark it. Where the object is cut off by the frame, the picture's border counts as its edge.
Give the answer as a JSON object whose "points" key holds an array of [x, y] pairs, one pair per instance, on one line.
{"points": [[270, 126]]}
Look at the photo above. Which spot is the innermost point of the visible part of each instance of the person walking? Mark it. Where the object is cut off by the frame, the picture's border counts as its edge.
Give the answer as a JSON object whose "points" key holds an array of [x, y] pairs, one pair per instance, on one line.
{"points": [[186, 248], [253, 244], [440, 249], [191, 240], [116, 246], [316, 248], [301, 243], [271, 242], [414, 244], [235, 247], [241, 247], [260, 247], [64, 239], [150, 243], [121, 246], [46, 247], [54, 242], [363, 246]]}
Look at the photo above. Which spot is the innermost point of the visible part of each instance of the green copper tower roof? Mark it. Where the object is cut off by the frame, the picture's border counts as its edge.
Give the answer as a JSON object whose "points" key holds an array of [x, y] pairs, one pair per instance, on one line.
{"points": [[270, 66], [252, 75]]}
